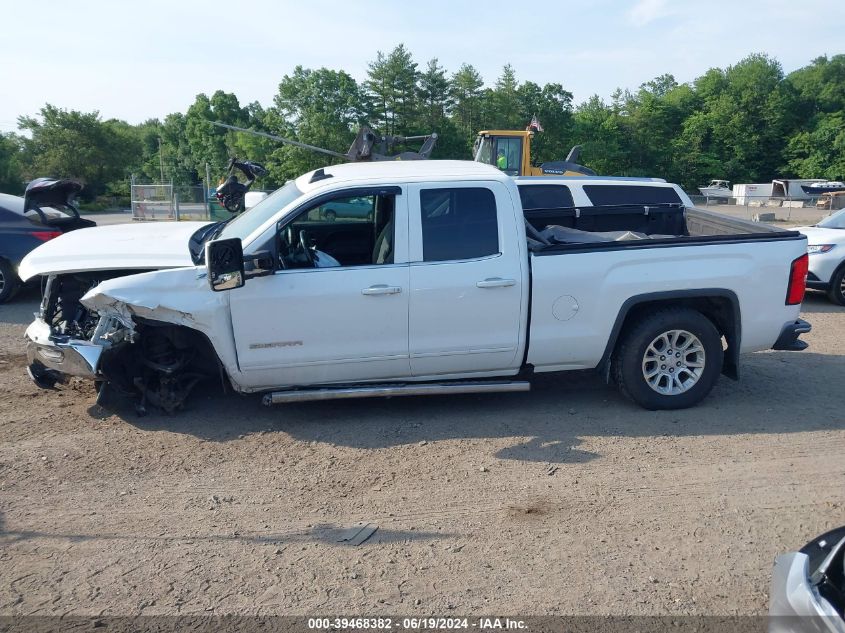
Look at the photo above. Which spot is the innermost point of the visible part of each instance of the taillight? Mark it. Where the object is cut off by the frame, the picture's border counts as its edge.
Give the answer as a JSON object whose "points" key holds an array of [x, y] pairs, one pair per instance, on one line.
{"points": [[797, 280], [45, 235]]}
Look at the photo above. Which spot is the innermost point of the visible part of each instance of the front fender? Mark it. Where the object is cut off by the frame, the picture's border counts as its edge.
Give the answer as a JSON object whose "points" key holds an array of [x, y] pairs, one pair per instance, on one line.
{"points": [[180, 296]]}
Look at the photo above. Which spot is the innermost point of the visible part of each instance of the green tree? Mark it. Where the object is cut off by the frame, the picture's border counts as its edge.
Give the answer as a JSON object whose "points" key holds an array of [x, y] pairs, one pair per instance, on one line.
{"points": [[434, 95], [78, 145], [436, 101], [599, 128], [504, 109], [392, 89], [320, 107], [820, 152], [748, 113], [816, 147], [820, 85], [11, 177], [553, 107], [654, 117], [467, 86], [208, 143]]}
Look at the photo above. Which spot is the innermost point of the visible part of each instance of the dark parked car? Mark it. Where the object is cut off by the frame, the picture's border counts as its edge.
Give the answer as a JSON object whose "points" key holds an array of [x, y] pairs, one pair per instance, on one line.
{"points": [[352, 208], [45, 211]]}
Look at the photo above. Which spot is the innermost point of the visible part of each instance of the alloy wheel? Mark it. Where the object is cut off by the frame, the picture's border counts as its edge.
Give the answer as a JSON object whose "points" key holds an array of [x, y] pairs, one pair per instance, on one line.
{"points": [[673, 362]]}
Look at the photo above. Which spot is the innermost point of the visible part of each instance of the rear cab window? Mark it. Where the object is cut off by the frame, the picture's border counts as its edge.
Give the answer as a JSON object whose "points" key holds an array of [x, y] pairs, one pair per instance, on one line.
{"points": [[606, 195], [545, 197], [458, 223]]}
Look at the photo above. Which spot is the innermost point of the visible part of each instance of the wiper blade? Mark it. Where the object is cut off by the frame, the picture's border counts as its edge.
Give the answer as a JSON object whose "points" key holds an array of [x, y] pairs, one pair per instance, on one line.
{"points": [[196, 244], [221, 226]]}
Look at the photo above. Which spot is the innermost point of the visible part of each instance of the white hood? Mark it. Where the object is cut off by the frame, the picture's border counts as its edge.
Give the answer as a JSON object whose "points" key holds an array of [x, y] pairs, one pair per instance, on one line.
{"points": [[821, 235], [146, 245]]}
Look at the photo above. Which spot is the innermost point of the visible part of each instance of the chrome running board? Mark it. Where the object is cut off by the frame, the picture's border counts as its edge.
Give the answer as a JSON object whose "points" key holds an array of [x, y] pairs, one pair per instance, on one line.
{"points": [[365, 391]]}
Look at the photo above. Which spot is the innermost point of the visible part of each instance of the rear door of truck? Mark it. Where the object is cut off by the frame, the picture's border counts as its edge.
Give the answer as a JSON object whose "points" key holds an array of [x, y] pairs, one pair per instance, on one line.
{"points": [[469, 278]]}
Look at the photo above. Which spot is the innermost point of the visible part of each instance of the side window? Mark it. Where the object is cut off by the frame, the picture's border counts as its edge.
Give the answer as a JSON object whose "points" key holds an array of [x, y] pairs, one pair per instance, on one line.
{"points": [[356, 209], [545, 197], [345, 231], [458, 223]]}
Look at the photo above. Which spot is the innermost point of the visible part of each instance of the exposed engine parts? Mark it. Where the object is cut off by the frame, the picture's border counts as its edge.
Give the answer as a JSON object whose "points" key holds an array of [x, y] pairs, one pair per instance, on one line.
{"points": [[167, 355]]}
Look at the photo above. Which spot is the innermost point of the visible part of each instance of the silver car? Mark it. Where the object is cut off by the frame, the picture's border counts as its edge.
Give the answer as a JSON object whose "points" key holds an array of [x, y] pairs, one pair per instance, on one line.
{"points": [[826, 246]]}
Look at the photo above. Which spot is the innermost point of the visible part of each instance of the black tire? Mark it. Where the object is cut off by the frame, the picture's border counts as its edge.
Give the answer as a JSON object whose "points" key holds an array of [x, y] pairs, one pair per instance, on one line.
{"points": [[9, 282], [693, 383], [836, 292], [42, 377]]}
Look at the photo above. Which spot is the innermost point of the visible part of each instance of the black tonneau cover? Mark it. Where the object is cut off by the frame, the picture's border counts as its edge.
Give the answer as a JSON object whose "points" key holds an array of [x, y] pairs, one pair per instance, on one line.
{"points": [[661, 219]]}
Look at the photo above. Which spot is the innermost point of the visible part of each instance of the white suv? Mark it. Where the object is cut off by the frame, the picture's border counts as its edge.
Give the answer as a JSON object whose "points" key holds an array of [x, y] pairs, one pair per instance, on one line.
{"points": [[827, 256]]}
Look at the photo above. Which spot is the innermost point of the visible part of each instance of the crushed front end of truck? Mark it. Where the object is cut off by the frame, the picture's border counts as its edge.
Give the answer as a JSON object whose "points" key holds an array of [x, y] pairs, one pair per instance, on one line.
{"points": [[79, 332]]}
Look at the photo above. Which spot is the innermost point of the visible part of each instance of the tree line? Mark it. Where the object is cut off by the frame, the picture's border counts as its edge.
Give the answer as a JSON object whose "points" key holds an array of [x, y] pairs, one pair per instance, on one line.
{"points": [[748, 122]]}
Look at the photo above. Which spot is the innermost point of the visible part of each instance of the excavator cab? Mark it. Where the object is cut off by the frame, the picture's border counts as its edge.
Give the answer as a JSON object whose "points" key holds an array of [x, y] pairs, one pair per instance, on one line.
{"points": [[510, 151], [507, 150]]}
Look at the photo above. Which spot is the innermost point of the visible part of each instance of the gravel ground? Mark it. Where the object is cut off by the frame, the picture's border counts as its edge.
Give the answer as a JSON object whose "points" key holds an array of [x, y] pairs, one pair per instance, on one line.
{"points": [[564, 500]]}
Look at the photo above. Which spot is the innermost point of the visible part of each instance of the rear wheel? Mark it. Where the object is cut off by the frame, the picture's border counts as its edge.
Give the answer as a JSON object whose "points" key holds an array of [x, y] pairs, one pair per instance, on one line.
{"points": [[669, 359], [9, 281], [836, 292]]}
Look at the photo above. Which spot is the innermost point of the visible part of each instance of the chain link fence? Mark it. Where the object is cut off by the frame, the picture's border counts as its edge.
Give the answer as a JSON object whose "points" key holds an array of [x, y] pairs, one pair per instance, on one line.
{"points": [[796, 211], [152, 202], [169, 202]]}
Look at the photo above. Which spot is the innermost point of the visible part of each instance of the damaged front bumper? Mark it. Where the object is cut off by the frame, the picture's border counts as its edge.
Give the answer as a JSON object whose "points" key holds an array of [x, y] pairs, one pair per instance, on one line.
{"points": [[49, 352]]}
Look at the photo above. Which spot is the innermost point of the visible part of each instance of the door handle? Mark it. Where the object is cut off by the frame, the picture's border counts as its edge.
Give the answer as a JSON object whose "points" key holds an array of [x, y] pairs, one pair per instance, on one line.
{"points": [[381, 289], [496, 282]]}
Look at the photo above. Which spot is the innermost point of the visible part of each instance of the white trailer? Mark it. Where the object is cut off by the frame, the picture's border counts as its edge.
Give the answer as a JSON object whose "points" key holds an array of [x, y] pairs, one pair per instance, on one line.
{"points": [[748, 193]]}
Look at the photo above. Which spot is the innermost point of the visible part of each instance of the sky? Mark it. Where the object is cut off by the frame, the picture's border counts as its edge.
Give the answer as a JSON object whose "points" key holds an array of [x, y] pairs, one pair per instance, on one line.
{"points": [[142, 60]]}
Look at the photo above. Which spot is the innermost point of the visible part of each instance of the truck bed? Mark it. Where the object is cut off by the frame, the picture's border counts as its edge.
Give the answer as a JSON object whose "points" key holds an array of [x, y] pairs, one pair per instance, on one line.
{"points": [[628, 225], [580, 288]]}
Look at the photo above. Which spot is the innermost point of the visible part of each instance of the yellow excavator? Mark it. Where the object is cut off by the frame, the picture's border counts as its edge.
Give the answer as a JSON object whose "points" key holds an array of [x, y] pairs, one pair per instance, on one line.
{"points": [[510, 151]]}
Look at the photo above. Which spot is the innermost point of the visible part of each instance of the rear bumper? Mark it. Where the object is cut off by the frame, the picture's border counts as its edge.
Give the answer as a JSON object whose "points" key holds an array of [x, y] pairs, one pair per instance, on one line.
{"points": [[63, 355], [788, 339], [817, 285]]}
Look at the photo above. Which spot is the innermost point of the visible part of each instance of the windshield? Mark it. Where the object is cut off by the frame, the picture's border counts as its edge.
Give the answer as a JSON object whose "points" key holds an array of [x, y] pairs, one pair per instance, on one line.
{"points": [[246, 223], [835, 221], [484, 152]]}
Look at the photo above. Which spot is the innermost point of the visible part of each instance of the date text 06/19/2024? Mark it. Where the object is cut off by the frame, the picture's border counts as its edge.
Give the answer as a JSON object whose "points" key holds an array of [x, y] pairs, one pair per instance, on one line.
{"points": [[412, 623]]}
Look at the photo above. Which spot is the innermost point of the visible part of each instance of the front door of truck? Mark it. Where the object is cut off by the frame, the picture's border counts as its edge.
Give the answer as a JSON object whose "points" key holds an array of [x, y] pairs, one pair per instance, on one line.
{"points": [[467, 302], [344, 322]]}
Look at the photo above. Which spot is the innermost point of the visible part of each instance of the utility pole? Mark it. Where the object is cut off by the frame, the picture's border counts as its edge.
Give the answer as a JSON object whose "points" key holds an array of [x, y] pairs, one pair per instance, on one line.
{"points": [[207, 188], [160, 161]]}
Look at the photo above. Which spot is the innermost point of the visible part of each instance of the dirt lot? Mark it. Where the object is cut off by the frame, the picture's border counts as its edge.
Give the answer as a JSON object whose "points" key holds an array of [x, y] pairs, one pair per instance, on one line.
{"points": [[565, 500]]}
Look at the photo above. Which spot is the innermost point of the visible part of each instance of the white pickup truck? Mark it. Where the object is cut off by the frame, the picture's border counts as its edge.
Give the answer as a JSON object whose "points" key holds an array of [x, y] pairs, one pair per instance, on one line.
{"points": [[457, 279]]}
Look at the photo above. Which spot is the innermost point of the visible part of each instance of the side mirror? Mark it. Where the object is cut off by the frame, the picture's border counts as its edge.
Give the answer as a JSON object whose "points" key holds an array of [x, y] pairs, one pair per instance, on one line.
{"points": [[224, 260]]}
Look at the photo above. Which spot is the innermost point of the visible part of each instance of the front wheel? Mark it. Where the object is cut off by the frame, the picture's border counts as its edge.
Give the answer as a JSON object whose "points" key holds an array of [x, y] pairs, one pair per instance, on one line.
{"points": [[669, 359], [9, 282], [836, 292]]}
